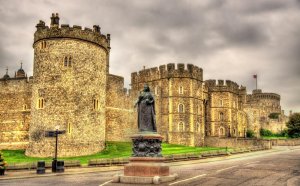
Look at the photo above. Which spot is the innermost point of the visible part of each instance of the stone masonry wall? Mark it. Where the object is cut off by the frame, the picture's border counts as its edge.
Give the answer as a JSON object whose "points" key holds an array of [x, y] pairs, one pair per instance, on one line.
{"points": [[74, 97], [120, 114], [178, 101], [237, 142], [14, 112]]}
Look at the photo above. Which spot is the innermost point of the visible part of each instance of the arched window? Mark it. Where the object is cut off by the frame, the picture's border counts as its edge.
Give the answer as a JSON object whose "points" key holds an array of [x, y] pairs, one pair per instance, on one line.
{"points": [[25, 107], [221, 116], [180, 108], [221, 131], [96, 104], [41, 103], [43, 44], [180, 127], [198, 127], [181, 90], [66, 62]]}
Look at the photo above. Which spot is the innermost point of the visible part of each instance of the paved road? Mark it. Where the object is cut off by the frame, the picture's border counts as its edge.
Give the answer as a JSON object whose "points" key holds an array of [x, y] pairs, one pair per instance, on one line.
{"points": [[281, 166]]}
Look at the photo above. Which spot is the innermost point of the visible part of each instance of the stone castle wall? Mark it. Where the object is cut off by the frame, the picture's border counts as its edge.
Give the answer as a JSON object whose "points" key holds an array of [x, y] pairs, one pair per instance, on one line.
{"points": [[15, 116], [120, 114], [178, 101], [226, 116], [259, 106], [70, 79], [237, 142]]}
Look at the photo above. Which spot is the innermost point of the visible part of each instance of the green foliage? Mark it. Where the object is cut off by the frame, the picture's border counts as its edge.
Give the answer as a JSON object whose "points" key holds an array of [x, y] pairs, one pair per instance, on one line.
{"points": [[250, 133], [112, 150], [294, 125], [266, 132], [274, 115]]}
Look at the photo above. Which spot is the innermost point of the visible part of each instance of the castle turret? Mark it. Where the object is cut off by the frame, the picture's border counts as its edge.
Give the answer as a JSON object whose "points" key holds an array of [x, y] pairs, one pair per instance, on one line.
{"points": [[179, 101], [6, 76], [69, 90], [20, 73]]}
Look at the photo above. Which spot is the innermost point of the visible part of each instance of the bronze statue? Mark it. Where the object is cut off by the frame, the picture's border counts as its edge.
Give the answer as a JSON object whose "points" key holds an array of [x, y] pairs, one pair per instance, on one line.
{"points": [[146, 111]]}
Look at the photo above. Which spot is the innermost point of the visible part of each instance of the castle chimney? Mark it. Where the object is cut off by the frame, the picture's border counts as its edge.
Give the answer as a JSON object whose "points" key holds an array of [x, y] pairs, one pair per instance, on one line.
{"points": [[54, 21], [96, 28]]}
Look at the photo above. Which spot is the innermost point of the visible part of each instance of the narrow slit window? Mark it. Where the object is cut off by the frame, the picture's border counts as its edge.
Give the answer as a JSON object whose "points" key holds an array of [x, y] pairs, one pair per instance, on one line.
{"points": [[70, 61]]}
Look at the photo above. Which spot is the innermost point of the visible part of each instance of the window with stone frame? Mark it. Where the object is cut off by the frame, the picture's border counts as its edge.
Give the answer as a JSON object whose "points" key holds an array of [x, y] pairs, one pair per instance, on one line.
{"points": [[181, 108], [41, 103], [96, 104], [198, 127], [67, 60], [181, 126], [69, 128], [43, 44], [24, 107], [222, 131], [181, 90], [221, 103], [221, 116]]}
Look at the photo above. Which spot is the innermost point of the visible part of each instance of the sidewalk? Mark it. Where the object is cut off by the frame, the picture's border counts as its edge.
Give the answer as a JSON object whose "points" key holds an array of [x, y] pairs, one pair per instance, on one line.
{"points": [[68, 171]]}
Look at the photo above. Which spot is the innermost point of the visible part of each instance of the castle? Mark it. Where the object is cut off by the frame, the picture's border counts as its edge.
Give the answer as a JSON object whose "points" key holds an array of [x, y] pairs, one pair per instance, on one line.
{"points": [[72, 89]]}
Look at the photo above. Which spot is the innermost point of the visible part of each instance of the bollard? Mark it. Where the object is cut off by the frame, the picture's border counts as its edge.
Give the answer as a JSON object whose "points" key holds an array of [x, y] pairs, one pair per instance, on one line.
{"points": [[40, 169]]}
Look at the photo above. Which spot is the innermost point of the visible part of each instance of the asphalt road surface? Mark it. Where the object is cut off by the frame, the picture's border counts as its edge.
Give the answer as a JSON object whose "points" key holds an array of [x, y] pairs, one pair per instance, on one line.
{"points": [[277, 167]]}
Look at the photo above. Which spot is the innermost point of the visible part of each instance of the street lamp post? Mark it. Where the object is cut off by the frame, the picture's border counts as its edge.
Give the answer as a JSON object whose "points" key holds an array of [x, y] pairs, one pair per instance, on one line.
{"points": [[55, 133]]}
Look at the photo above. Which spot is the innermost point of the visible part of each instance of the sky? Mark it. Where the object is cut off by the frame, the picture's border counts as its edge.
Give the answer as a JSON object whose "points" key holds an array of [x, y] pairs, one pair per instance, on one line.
{"points": [[229, 39]]}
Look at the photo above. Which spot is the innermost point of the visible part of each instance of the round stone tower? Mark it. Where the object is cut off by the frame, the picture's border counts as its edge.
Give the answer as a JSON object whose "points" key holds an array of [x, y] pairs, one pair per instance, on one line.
{"points": [[69, 89]]}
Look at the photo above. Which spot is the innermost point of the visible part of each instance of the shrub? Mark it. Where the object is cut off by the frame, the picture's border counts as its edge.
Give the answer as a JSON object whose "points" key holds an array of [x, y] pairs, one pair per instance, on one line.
{"points": [[250, 133], [266, 132]]}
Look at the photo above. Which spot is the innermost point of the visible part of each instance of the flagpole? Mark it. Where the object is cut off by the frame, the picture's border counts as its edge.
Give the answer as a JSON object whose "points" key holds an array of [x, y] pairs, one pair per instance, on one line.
{"points": [[256, 81]]}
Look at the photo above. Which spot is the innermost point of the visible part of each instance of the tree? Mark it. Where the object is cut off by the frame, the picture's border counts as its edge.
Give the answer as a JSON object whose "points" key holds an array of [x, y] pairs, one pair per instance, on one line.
{"points": [[293, 125]]}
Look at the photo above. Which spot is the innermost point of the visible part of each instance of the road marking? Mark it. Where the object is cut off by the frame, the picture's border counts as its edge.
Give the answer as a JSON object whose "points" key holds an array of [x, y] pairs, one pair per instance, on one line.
{"points": [[106, 182], [187, 179], [251, 162], [226, 168]]}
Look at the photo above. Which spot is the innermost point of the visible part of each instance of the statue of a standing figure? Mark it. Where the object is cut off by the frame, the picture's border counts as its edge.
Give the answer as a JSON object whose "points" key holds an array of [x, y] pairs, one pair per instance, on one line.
{"points": [[146, 111]]}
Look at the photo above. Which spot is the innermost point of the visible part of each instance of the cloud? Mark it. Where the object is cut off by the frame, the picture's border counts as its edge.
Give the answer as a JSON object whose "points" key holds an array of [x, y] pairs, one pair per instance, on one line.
{"points": [[228, 39]]}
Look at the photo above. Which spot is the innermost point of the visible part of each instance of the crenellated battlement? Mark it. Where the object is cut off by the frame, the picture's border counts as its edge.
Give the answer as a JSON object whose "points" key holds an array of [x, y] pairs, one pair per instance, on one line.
{"points": [[223, 86], [168, 71], [76, 32], [258, 94]]}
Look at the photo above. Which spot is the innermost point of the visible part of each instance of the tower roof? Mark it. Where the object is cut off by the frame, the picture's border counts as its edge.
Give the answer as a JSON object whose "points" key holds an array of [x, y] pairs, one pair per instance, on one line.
{"points": [[20, 72], [6, 76]]}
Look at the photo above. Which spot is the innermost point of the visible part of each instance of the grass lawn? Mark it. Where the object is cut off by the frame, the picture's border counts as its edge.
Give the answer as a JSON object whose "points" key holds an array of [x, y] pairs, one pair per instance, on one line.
{"points": [[274, 137], [113, 150]]}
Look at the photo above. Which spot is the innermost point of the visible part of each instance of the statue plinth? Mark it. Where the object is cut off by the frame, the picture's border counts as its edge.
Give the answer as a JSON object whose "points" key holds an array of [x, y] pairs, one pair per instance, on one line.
{"points": [[146, 164]]}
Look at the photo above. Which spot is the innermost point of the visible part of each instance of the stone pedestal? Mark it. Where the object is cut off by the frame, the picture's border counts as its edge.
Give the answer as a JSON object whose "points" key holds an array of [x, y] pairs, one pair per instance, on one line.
{"points": [[146, 164]]}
